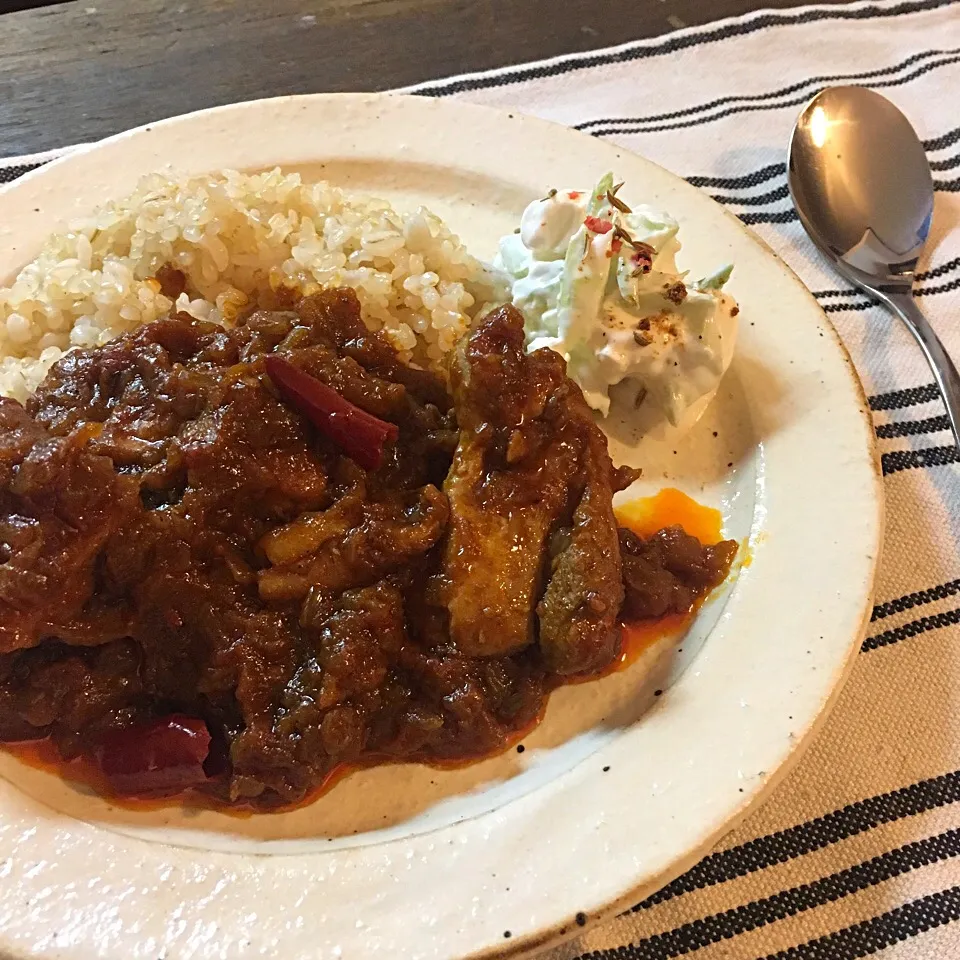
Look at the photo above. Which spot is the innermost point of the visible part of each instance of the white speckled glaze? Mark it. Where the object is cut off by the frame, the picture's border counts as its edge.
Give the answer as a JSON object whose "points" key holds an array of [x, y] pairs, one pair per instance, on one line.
{"points": [[412, 862]]}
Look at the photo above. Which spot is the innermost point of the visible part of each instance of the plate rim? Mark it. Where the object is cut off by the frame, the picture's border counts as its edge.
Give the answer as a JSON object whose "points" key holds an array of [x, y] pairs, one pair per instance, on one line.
{"points": [[534, 941]]}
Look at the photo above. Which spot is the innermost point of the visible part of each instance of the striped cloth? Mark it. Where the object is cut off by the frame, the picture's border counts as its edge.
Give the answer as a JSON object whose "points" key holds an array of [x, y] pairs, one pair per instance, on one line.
{"points": [[858, 852]]}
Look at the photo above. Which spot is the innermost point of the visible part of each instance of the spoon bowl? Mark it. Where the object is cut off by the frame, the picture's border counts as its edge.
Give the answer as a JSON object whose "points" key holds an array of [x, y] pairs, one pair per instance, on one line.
{"points": [[862, 187]]}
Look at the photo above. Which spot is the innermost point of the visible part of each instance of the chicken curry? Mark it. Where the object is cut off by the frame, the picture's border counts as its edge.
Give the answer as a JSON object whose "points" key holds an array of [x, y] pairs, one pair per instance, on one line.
{"points": [[234, 559]]}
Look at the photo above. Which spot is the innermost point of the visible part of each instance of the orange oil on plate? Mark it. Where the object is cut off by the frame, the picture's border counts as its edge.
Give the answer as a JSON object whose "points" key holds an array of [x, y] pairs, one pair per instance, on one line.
{"points": [[670, 507]]}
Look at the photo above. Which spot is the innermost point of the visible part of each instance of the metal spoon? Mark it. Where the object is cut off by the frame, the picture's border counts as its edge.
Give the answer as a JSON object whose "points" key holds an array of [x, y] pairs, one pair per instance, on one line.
{"points": [[862, 187]]}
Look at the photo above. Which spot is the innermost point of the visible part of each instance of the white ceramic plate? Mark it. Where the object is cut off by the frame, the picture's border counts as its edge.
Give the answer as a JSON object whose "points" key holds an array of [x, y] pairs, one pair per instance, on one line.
{"points": [[617, 792]]}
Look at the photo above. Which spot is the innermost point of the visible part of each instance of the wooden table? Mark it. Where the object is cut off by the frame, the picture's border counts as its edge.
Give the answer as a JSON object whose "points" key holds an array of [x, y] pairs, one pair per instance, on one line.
{"points": [[78, 71]]}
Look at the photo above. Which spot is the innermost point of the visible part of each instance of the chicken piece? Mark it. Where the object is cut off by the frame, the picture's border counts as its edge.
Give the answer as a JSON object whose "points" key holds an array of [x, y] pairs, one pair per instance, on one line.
{"points": [[387, 536], [58, 507], [579, 611], [334, 315], [531, 478], [52, 690], [670, 571]]}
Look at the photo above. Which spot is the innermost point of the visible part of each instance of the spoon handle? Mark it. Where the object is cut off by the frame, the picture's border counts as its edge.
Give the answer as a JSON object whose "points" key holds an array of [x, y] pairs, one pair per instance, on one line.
{"points": [[944, 370]]}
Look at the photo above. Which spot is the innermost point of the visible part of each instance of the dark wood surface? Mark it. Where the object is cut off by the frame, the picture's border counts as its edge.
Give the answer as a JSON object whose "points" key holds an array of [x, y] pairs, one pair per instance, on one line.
{"points": [[82, 70]]}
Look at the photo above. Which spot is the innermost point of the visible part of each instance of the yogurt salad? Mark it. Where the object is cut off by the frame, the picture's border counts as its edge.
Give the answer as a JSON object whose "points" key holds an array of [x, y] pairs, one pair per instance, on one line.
{"points": [[597, 281]]}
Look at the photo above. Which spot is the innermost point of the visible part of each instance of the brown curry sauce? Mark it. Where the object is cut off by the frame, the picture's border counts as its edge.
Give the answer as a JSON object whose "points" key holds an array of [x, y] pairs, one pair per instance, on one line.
{"points": [[178, 541], [644, 516]]}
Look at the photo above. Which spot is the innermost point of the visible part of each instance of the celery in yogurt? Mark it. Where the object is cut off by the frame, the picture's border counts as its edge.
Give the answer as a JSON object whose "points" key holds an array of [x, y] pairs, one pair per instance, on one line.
{"points": [[597, 281]]}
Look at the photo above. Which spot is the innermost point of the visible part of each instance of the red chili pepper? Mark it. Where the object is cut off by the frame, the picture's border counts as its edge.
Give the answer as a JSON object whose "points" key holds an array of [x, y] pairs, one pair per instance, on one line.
{"points": [[615, 244], [156, 757], [574, 194], [360, 435], [643, 259], [598, 225]]}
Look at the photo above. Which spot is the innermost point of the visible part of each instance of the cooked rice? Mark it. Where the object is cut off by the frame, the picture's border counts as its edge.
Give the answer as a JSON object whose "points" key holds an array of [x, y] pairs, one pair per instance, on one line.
{"points": [[234, 236]]}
